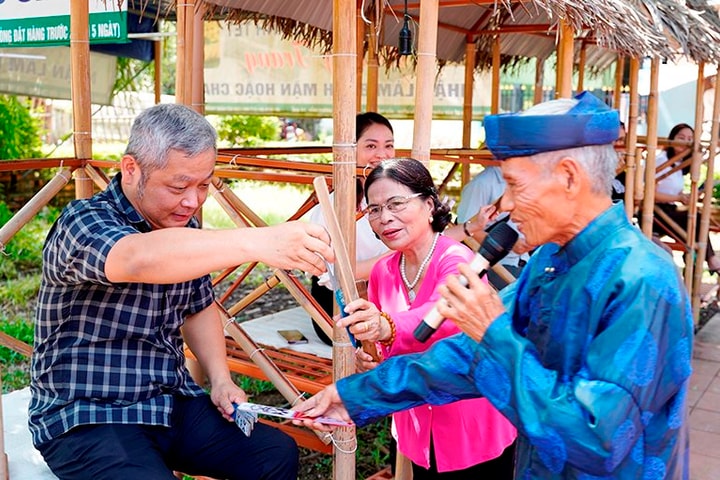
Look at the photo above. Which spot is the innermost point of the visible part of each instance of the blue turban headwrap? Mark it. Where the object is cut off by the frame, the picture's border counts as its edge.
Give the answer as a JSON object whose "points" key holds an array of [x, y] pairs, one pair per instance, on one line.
{"points": [[589, 122]]}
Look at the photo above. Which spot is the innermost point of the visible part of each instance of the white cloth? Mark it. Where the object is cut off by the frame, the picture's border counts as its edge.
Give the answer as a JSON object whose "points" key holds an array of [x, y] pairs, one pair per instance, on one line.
{"points": [[24, 460], [673, 184], [484, 189]]}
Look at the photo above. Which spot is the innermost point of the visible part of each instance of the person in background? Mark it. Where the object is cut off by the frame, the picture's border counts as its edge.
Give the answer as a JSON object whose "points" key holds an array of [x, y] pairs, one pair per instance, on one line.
{"points": [[589, 352], [486, 188], [375, 143], [465, 439], [670, 196], [618, 184], [124, 281]]}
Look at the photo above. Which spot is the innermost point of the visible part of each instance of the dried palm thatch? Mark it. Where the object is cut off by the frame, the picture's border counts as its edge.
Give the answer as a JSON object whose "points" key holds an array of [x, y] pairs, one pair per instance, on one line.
{"points": [[636, 28]]}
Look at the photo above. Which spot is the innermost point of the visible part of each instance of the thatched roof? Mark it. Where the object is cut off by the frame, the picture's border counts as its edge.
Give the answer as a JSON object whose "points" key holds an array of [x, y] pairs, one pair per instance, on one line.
{"points": [[637, 28]]}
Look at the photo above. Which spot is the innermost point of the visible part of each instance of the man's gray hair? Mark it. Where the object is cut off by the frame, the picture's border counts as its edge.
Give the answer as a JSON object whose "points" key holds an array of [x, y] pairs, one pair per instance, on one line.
{"points": [[598, 161], [166, 127]]}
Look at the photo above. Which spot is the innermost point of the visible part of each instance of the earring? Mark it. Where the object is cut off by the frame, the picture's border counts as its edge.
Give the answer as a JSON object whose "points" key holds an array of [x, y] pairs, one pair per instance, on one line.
{"points": [[430, 219]]}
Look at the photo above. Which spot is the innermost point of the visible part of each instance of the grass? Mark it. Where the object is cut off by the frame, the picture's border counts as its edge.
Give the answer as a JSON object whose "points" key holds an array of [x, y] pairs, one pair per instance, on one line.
{"points": [[273, 202], [16, 320]]}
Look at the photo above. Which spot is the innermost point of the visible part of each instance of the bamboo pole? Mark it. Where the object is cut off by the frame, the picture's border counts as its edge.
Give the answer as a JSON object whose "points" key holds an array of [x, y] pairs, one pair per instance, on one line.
{"points": [[235, 283], [266, 365], [80, 85], [539, 80], [197, 87], [344, 161], [258, 292], [180, 47], [34, 205], [468, 105], [343, 265], [97, 176], [425, 75], [189, 7], [634, 168], [565, 60], [707, 199], [619, 70], [695, 262], [157, 61], [83, 184], [581, 68], [495, 95], [4, 468], [651, 147]]}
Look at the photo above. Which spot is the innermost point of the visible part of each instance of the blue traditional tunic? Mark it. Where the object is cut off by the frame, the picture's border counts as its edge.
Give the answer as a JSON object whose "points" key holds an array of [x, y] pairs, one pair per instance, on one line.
{"points": [[591, 361]]}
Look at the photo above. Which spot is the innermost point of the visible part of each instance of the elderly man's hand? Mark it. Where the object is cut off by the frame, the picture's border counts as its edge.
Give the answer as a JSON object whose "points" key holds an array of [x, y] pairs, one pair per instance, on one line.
{"points": [[472, 308], [326, 403]]}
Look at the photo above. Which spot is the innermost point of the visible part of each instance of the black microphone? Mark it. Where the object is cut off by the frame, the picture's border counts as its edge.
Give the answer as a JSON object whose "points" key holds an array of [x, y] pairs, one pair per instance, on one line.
{"points": [[499, 241]]}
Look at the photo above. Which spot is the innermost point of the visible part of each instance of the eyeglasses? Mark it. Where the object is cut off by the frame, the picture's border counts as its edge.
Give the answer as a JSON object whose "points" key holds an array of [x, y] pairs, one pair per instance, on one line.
{"points": [[393, 205]]}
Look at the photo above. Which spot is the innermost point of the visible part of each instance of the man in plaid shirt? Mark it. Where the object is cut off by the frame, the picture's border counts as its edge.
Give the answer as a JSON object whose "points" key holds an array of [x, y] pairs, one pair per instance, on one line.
{"points": [[123, 273]]}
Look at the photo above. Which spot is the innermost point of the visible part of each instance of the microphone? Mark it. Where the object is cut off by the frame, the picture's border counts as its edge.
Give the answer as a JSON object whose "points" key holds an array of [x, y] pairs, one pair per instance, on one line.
{"points": [[499, 241]]}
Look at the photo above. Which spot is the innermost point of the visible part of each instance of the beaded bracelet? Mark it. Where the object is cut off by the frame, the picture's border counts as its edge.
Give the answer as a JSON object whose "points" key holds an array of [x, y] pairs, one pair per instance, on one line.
{"points": [[393, 330], [465, 229]]}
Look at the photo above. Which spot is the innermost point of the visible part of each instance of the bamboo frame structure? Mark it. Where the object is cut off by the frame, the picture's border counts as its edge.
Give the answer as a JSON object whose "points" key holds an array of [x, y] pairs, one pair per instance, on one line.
{"points": [[344, 59]]}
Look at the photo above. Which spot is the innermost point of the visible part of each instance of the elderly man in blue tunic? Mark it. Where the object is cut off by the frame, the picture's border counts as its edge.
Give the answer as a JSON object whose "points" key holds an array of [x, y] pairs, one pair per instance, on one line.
{"points": [[588, 352]]}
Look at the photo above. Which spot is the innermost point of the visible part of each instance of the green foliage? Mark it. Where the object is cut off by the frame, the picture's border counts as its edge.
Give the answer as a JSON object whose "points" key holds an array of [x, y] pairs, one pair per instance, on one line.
{"points": [[14, 366], [19, 130], [253, 386], [23, 253], [248, 130], [19, 291]]}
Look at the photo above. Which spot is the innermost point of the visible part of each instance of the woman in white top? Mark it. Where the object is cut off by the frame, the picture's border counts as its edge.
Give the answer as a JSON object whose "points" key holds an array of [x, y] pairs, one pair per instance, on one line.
{"points": [[669, 191], [375, 143]]}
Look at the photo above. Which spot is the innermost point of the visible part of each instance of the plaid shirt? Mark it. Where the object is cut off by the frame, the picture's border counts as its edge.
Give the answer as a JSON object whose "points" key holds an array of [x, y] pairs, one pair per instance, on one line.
{"points": [[106, 352]]}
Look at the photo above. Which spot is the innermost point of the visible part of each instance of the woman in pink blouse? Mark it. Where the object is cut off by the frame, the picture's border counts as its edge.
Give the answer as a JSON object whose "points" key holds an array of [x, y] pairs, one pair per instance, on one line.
{"points": [[465, 439]]}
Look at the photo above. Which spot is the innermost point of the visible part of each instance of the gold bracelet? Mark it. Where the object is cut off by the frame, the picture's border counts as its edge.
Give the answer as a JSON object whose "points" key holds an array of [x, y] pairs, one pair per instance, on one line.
{"points": [[393, 330], [465, 229]]}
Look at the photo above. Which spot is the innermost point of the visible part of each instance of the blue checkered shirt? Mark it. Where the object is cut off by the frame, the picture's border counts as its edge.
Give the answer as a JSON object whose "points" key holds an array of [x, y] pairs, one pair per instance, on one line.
{"points": [[106, 352]]}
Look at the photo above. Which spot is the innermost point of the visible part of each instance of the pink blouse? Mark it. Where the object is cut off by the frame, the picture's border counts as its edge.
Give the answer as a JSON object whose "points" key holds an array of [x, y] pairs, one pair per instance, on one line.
{"points": [[466, 432]]}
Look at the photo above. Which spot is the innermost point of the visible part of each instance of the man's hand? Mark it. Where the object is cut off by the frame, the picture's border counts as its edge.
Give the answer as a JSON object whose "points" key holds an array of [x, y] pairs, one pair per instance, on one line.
{"points": [[224, 395], [296, 245], [472, 308], [326, 403]]}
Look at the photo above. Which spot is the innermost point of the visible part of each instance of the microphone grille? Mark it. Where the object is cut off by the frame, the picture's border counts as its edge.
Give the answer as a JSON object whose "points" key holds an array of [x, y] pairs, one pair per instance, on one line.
{"points": [[498, 243]]}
